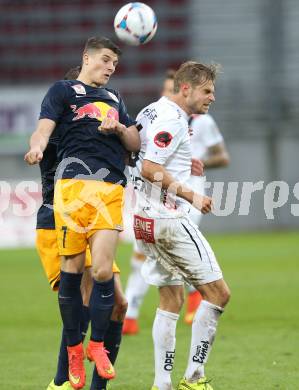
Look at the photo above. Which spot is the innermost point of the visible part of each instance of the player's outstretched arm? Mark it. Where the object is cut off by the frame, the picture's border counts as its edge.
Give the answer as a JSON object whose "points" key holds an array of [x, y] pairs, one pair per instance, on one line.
{"points": [[218, 156], [129, 136], [39, 141], [154, 172]]}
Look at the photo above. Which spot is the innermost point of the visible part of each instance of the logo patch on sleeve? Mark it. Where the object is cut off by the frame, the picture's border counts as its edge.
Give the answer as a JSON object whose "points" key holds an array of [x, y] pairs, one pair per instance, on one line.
{"points": [[79, 89], [163, 139]]}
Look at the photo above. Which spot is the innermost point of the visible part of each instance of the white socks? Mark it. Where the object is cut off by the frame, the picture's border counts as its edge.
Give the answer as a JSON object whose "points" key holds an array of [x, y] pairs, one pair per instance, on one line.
{"points": [[164, 329], [203, 334], [136, 289]]}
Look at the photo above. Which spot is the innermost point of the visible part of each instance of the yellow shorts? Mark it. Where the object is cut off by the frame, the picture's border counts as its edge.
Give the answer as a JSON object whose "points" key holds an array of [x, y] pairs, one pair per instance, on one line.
{"points": [[46, 244], [82, 207]]}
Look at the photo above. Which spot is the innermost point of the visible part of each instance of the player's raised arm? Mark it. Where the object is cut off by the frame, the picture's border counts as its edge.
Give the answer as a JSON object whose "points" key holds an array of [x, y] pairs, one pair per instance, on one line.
{"points": [[217, 156], [131, 139], [39, 140], [154, 172]]}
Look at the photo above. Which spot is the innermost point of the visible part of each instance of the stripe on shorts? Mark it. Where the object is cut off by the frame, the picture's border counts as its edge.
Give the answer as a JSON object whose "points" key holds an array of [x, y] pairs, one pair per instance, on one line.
{"points": [[202, 245], [195, 243]]}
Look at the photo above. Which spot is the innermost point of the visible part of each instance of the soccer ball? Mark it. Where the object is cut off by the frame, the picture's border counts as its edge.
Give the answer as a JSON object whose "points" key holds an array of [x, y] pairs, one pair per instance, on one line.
{"points": [[135, 24]]}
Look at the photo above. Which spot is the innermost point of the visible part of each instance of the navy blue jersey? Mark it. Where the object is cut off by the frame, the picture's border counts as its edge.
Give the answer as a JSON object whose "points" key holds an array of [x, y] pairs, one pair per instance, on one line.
{"points": [[48, 165], [78, 110]]}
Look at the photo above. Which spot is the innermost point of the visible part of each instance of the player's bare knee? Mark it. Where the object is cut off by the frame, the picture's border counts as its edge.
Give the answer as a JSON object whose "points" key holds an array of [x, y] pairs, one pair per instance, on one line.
{"points": [[225, 296], [223, 293], [102, 274], [172, 307], [222, 296], [216, 292]]}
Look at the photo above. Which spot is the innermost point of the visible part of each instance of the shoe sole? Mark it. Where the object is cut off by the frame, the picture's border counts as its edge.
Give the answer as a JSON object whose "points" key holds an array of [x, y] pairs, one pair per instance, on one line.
{"points": [[77, 387]]}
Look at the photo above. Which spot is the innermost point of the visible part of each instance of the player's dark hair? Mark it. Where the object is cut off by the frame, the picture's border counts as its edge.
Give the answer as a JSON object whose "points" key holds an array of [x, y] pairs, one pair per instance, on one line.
{"points": [[97, 43], [73, 73], [194, 73], [169, 75]]}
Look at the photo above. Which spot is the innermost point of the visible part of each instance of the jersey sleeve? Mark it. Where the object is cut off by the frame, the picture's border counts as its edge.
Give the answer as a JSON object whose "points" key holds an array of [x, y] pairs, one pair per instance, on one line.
{"points": [[163, 140], [124, 117], [212, 135], [208, 130], [53, 103]]}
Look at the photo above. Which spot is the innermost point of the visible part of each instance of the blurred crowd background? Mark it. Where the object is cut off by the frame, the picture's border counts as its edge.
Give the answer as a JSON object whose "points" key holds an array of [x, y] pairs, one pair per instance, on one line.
{"points": [[257, 94]]}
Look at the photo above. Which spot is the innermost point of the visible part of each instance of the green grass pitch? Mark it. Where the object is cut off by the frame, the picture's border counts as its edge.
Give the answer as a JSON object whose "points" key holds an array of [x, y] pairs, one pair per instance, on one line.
{"points": [[257, 343]]}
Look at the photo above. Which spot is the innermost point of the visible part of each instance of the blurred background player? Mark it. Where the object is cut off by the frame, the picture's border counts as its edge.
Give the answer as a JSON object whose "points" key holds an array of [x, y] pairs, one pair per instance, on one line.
{"points": [[74, 108], [209, 151], [46, 243]]}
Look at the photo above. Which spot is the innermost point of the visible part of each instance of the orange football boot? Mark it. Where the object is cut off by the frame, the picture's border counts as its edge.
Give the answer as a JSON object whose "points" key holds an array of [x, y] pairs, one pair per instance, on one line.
{"points": [[96, 352], [76, 366], [130, 326]]}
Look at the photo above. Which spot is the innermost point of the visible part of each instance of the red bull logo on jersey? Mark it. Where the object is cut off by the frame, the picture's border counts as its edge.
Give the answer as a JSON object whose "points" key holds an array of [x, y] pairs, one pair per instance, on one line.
{"points": [[96, 110]]}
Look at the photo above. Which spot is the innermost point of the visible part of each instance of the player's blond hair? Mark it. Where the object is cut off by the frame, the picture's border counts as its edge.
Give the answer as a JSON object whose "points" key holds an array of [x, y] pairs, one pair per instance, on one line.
{"points": [[194, 73]]}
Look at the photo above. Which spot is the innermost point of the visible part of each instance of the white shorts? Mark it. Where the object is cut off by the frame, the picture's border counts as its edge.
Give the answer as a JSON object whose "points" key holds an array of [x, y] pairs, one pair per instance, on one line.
{"points": [[195, 215], [197, 183], [176, 252]]}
